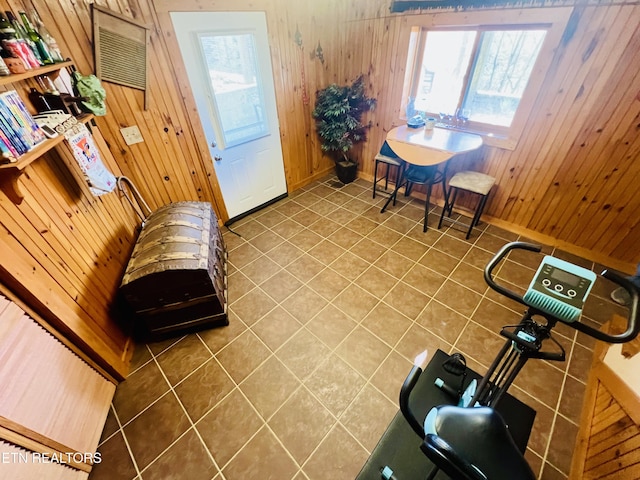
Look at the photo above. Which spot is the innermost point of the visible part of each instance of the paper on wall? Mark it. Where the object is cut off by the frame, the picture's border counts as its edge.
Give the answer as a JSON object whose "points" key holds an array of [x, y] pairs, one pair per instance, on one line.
{"points": [[99, 179]]}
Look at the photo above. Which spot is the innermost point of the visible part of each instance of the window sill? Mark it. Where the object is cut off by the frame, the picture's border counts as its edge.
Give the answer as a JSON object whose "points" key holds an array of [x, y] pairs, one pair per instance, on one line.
{"points": [[497, 140], [491, 139], [505, 143]]}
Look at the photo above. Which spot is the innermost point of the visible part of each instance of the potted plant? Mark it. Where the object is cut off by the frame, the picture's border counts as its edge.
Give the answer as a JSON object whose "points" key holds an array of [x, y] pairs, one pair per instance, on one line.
{"points": [[338, 114]]}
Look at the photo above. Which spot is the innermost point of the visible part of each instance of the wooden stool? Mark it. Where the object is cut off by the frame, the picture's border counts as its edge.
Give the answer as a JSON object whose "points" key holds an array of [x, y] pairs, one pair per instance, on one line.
{"points": [[390, 159], [474, 182]]}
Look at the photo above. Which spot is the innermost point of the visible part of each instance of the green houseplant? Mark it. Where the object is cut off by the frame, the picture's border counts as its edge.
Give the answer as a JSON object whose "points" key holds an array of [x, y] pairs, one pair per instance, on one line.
{"points": [[338, 115]]}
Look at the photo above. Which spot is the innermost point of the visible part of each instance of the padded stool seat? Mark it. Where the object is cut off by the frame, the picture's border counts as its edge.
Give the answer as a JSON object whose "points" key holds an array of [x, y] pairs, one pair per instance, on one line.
{"points": [[396, 162], [390, 159], [473, 182]]}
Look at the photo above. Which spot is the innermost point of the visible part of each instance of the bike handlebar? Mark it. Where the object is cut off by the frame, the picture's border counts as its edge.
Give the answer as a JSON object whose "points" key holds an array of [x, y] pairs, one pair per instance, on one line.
{"points": [[632, 320], [632, 329], [493, 263]]}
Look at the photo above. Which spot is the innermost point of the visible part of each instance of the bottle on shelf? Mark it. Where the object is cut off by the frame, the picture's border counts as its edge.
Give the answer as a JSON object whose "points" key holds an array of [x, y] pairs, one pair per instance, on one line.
{"points": [[24, 39], [16, 48], [6, 29], [51, 42], [33, 34], [39, 101], [47, 85]]}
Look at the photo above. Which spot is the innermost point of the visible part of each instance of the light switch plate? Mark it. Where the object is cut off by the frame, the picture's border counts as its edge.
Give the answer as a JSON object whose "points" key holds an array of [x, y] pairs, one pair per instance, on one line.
{"points": [[131, 135]]}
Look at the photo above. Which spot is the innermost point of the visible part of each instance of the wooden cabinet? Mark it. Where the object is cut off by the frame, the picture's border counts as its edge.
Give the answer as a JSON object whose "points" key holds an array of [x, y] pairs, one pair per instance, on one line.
{"points": [[52, 402], [10, 172]]}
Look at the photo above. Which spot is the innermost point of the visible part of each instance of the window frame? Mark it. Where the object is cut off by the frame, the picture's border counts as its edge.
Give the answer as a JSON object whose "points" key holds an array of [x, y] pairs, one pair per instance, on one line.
{"points": [[553, 20]]}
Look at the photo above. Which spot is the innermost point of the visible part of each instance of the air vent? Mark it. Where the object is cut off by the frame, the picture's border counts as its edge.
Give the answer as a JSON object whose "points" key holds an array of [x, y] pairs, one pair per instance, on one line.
{"points": [[122, 60], [120, 49]]}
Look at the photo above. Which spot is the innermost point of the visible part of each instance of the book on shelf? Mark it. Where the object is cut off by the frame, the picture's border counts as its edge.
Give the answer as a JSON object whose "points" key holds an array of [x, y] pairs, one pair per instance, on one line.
{"points": [[8, 153], [9, 127], [21, 110], [20, 132]]}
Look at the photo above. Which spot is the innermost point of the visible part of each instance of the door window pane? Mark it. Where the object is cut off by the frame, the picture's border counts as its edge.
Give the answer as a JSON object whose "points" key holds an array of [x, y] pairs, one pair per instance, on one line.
{"points": [[504, 63], [235, 87]]}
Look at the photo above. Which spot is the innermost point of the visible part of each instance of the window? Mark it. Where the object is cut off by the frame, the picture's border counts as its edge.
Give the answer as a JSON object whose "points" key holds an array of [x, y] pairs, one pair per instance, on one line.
{"points": [[480, 78], [235, 87]]}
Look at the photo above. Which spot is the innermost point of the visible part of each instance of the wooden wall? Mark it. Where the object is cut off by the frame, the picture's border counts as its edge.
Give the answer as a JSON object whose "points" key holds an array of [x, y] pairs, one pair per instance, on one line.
{"points": [[571, 181], [611, 441], [607, 443], [63, 250]]}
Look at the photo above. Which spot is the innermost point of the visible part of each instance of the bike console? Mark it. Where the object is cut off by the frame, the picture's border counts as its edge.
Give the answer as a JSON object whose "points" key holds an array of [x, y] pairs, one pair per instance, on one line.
{"points": [[559, 290]]}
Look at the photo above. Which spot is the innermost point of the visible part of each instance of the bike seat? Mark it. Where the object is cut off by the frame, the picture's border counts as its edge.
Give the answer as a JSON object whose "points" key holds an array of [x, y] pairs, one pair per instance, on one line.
{"points": [[472, 443]]}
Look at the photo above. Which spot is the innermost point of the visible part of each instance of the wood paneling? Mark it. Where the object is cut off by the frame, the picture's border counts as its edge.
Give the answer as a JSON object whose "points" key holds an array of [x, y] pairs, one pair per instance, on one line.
{"points": [[26, 466], [614, 447], [571, 181], [608, 445], [47, 388]]}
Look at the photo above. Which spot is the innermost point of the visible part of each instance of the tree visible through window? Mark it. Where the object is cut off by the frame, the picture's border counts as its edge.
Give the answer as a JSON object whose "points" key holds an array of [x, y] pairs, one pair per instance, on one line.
{"points": [[474, 77], [481, 70]]}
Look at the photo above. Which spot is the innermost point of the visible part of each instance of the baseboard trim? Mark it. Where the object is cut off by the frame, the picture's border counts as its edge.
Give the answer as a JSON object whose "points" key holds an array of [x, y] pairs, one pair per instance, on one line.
{"points": [[255, 209]]}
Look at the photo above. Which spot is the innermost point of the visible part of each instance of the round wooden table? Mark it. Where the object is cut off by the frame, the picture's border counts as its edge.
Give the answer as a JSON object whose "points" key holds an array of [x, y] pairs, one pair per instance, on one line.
{"points": [[422, 148], [418, 146]]}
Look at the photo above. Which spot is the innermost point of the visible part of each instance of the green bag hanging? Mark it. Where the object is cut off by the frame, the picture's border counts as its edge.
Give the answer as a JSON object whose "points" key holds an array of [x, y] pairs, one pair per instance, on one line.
{"points": [[89, 86]]}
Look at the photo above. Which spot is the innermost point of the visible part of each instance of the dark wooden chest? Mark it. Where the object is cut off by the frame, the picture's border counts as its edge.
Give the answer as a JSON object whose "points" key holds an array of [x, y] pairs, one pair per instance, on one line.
{"points": [[176, 278]]}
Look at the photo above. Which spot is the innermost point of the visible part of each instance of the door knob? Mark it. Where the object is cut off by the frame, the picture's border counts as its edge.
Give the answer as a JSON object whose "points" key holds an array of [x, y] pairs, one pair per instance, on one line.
{"points": [[217, 158]]}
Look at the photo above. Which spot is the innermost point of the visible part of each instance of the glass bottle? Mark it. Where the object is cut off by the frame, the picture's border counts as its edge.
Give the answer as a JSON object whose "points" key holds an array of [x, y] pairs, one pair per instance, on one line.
{"points": [[24, 39], [6, 29], [23, 43], [15, 46], [411, 109], [51, 42], [47, 85], [8, 36], [37, 39]]}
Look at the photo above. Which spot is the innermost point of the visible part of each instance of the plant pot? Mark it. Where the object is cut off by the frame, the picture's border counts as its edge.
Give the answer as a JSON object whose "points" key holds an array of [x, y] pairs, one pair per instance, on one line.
{"points": [[346, 171]]}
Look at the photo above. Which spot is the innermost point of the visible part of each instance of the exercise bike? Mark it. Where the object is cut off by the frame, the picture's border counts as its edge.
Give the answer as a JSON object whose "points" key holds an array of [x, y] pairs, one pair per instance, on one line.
{"points": [[471, 441]]}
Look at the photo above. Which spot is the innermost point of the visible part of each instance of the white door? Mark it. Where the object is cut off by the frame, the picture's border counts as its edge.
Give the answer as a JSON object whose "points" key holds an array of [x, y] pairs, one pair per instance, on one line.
{"points": [[226, 55]]}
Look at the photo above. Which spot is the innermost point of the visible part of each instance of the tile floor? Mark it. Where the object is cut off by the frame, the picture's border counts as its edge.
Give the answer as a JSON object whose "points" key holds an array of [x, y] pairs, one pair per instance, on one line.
{"points": [[329, 303]]}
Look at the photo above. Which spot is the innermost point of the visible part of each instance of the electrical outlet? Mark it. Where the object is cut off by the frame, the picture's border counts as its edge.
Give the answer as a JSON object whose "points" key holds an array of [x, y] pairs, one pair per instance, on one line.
{"points": [[131, 135]]}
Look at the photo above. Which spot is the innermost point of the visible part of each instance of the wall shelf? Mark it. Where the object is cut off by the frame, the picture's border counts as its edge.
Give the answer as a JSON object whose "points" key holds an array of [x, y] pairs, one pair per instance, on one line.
{"points": [[18, 77], [42, 148], [10, 172]]}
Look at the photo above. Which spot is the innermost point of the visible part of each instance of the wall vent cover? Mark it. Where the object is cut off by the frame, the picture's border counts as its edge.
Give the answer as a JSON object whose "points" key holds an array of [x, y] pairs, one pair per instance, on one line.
{"points": [[120, 49]]}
